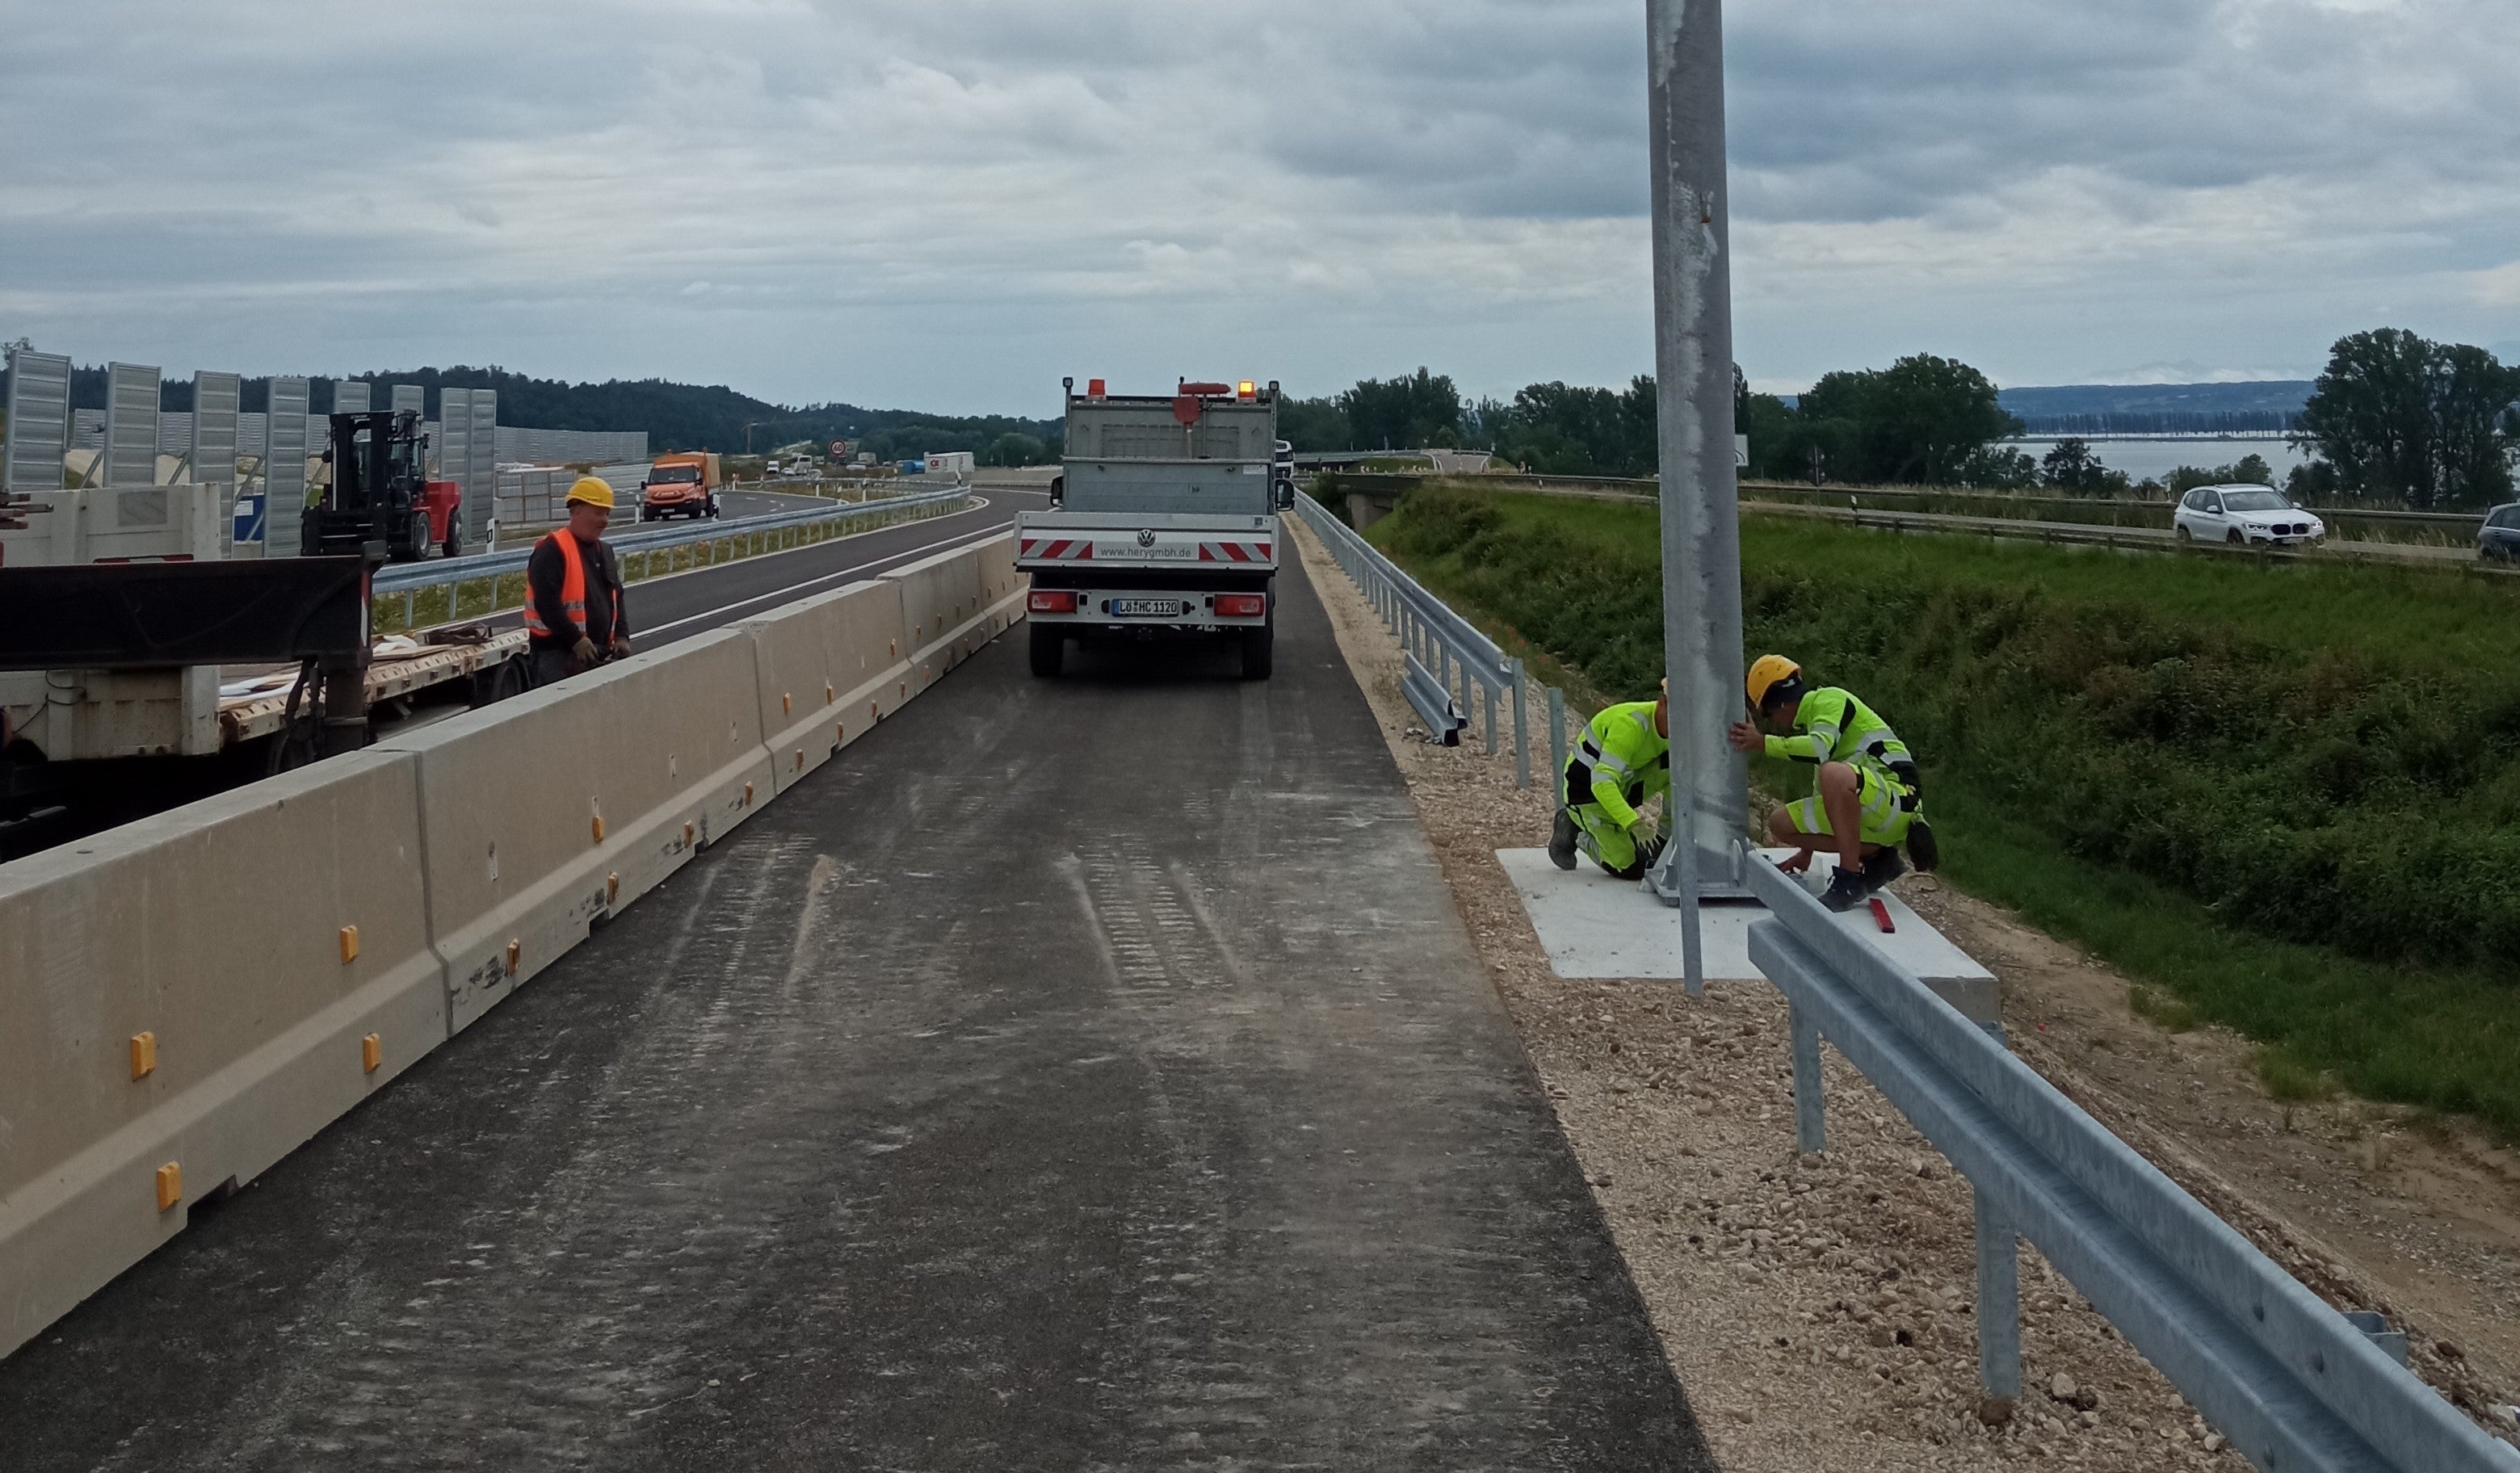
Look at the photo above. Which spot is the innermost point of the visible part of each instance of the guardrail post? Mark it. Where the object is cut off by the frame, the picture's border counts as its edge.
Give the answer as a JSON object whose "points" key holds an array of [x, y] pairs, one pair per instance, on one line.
{"points": [[1521, 732], [1998, 1299], [1811, 1121], [1557, 739], [1492, 713]]}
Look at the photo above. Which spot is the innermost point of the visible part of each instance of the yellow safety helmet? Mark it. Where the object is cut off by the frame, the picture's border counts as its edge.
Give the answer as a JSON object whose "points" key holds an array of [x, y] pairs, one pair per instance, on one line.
{"points": [[1767, 672], [594, 490]]}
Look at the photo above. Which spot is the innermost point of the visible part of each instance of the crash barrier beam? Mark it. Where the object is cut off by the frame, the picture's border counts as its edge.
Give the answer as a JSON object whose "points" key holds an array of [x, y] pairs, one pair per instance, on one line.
{"points": [[1428, 628], [1435, 706], [409, 579], [2294, 1384], [165, 1036], [829, 668], [608, 782]]}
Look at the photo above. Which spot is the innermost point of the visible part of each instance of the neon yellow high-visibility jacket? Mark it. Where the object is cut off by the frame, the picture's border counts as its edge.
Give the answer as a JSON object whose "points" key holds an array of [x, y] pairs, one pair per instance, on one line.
{"points": [[1621, 762], [1833, 726]]}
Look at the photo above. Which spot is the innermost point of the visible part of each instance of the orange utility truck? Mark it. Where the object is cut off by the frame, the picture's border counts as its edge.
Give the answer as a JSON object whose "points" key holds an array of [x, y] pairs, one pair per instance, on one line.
{"points": [[682, 484]]}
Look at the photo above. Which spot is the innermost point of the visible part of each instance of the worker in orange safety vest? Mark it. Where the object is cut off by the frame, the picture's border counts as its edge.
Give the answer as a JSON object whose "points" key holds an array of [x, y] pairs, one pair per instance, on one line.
{"points": [[574, 611]]}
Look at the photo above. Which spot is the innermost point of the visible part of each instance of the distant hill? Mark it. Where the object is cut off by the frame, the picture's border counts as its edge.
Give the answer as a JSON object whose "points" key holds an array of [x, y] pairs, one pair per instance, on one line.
{"points": [[2158, 408], [675, 415]]}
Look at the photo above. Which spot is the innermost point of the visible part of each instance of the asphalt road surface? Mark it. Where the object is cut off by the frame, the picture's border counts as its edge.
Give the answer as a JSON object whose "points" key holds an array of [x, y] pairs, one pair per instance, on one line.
{"points": [[1083, 1073]]}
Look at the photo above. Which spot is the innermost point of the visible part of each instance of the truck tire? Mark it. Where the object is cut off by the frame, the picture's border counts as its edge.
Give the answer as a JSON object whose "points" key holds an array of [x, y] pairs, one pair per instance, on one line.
{"points": [[1259, 651], [1049, 650], [454, 538]]}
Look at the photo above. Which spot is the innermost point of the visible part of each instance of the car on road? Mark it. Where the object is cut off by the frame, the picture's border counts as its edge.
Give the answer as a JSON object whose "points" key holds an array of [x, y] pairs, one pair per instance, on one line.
{"points": [[2500, 537], [2245, 514]]}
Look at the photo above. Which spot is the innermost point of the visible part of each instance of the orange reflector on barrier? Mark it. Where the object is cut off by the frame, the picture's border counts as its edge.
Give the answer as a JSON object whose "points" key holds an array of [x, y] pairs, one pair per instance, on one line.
{"points": [[144, 1054], [349, 945], [372, 1053], [787, 702], [599, 829], [170, 1184], [516, 950], [612, 888], [689, 833], [801, 759], [747, 795], [831, 692]]}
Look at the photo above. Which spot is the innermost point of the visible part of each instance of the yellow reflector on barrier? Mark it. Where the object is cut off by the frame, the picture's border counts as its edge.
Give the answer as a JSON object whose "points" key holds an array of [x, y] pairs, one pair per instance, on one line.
{"points": [[349, 945], [599, 829], [170, 1184], [787, 703], [372, 1053], [516, 950], [612, 888], [144, 1054]]}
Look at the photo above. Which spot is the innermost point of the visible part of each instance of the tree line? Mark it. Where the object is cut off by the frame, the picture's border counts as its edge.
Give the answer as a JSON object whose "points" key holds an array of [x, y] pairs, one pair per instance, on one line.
{"points": [[2395, 418]]}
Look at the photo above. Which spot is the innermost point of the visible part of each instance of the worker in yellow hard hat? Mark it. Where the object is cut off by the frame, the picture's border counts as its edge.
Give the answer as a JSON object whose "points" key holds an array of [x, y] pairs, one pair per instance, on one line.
{"points": [[574, 611], [1623, 761], [1867, 797]]}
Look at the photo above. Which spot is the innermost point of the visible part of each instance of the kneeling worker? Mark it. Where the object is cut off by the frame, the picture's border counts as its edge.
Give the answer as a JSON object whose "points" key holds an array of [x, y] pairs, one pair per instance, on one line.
{"points": [[1624, 759], [573, 605], [1865, 796]]}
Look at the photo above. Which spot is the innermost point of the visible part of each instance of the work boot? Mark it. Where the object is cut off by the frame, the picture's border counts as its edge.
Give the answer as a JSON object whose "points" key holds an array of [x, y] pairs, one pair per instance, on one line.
{"points": [[1562, 840], [1921, 850], [1846, 890], [1882, 867]]}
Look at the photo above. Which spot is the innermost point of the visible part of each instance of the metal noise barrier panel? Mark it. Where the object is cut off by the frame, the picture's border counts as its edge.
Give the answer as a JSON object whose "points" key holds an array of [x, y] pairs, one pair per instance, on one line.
{"points": [[2291, 1382], [205, 1035]]}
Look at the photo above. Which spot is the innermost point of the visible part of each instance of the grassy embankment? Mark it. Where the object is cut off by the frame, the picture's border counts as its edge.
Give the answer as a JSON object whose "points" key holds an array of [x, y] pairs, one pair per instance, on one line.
{"points": [[2286, 795]]}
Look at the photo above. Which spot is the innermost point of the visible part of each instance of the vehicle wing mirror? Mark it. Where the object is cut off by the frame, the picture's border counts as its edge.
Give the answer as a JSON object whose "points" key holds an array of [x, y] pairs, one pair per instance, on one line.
{"points": [[1286, 496]]}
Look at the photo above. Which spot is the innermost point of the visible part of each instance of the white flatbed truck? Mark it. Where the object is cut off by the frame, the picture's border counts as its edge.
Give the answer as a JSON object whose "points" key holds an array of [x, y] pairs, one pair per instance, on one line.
{"points": [[1163, 523]]}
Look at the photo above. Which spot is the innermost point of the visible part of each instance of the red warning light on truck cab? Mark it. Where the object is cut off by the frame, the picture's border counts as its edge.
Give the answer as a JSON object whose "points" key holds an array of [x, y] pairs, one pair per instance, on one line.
{"points": [[1094, 388]]}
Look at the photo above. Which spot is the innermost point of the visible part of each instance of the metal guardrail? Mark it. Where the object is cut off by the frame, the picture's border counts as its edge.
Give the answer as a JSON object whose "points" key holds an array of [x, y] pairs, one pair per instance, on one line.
{"points": [[410, 578], [2294, 1384], [1448, 647], [1443, 714]]}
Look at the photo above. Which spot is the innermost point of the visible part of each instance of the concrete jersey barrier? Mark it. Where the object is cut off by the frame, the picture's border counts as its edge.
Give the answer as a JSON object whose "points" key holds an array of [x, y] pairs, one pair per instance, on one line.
{"points": [[831, 667], [603, 785], [169, 1036], [954, 602]]}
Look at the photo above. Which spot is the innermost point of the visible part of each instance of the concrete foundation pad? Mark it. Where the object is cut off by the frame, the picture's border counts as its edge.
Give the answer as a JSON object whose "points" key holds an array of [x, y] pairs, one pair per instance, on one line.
{"points": [[1594, 926]]}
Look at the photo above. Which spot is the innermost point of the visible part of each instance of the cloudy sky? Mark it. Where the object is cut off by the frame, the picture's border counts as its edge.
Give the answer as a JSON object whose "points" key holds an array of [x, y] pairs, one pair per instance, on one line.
{"points": [[949, 204]]}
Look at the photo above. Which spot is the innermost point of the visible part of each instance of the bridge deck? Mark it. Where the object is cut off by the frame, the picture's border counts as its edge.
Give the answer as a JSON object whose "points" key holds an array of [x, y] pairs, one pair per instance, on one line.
{"points": [[1079, 1074]]}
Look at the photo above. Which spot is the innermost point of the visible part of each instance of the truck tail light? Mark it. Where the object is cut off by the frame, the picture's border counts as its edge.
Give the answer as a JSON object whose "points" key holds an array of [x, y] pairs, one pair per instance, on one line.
{"points": [[1246, 391], [1240, 606], [1051, 601]]}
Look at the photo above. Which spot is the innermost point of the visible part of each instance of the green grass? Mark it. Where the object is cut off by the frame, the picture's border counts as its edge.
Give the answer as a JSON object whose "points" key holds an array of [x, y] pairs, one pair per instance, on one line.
{"points": [[2282, 797]]}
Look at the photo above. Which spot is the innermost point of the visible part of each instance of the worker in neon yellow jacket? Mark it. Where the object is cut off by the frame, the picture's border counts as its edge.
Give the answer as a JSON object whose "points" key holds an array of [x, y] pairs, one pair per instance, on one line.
{"points": [[1623, 760], [1866, 797]]}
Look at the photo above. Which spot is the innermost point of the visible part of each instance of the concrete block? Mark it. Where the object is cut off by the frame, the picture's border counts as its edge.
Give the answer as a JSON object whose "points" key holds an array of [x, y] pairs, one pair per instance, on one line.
{"points": [[543, 814], [254, 1019], [957, 601], [829, 668]]}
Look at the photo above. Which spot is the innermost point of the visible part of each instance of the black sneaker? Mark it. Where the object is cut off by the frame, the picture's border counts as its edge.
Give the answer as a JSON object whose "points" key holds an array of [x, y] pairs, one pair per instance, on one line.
{"points": [[1846, 890], [1882, 867], [1920, 847], [1562, 840]]}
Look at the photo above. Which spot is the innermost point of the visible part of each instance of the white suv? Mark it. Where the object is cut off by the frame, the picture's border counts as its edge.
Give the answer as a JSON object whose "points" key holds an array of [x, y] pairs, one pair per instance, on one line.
{"points": [[2244, 514]]}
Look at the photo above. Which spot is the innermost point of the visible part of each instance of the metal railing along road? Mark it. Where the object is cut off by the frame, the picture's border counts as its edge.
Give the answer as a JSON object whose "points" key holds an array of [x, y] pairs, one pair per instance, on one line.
{"points": [[2294, 1384], [1452, 656], [409, 579]]}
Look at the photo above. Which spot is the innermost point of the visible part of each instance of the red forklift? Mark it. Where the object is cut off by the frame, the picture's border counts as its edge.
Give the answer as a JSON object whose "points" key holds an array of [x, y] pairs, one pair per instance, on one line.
{"points": [[379, 491]]}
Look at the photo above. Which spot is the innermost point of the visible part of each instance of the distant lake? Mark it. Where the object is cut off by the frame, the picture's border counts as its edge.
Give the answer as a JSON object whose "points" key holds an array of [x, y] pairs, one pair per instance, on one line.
{"points": [[2154, 459]]}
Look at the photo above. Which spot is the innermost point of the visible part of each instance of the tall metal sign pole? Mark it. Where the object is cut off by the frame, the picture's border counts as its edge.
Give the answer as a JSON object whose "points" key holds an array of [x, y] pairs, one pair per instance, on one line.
{"points": [[1701, 536]]}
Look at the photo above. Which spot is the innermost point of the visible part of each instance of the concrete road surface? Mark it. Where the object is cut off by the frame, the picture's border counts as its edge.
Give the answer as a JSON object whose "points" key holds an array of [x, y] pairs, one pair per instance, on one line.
{"points": [[1089, 1074]]}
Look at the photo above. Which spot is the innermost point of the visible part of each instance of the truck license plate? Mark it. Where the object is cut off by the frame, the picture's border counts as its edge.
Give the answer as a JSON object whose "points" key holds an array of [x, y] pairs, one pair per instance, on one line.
{"points": [[1147, 608]]}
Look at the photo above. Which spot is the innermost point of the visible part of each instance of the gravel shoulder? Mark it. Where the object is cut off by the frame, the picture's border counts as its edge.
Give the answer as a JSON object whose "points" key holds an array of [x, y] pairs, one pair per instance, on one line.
{"points": [[1819, 1307]]}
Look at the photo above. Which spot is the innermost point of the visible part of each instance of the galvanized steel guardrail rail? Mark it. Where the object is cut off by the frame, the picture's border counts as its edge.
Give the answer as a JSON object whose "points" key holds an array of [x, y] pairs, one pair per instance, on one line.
{"points": [[410, 578], [2294, 1384], [1448, 652]]}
